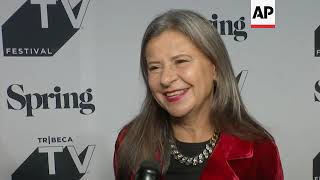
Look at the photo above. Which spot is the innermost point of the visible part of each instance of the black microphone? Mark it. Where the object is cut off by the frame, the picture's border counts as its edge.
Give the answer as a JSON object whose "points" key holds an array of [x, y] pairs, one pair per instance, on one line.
{"points": [[149, 170]]}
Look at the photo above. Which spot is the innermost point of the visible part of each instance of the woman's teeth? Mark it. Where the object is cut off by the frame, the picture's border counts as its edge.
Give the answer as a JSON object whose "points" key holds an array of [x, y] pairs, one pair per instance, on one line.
{"points": [[175, 93]]}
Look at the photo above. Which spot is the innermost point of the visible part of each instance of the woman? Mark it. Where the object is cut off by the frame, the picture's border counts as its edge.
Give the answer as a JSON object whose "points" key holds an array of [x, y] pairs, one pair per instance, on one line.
{"points": [[193, 121]]}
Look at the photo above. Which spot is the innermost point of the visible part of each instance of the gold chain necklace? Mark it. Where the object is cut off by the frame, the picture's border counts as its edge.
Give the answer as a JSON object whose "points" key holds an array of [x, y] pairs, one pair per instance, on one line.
{"points": [[197, 159]]}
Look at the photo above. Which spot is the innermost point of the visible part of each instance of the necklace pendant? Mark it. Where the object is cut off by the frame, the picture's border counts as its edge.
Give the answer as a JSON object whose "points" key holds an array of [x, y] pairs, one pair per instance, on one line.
{"points": [[189, 161], [201, 159], [209, 149], [183, 160], [195, 161], [175, 152], [205, 153]]}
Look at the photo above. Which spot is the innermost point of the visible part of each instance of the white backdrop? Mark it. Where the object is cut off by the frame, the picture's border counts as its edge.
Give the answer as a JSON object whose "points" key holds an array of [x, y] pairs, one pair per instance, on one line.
{"points": [[103, 55]]}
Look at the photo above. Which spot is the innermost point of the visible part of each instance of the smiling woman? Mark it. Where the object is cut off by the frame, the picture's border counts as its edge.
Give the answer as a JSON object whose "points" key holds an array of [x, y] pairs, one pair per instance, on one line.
{"points": [[193, 121], [180, 76]]}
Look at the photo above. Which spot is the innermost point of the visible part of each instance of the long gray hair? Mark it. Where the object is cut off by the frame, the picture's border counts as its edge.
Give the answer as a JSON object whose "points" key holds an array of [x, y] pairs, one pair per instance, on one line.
{"points": [[148, 133]]}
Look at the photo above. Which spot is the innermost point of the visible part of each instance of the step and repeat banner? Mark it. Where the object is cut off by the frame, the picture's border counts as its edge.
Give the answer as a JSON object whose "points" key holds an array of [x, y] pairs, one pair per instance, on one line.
{"points": [[69, 79]]}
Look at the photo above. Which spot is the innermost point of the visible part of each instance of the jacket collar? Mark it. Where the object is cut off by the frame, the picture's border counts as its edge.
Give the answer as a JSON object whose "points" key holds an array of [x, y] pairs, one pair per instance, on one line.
{"points": [[227, 148]]}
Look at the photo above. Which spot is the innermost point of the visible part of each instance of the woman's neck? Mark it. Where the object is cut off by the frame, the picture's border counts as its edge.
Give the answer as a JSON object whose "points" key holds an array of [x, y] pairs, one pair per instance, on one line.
{"points": [[192, 130]]}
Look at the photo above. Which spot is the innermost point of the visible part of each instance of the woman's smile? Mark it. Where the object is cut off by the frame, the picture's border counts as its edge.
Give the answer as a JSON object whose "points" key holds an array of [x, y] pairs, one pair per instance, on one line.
{"points": [[175, 95]]}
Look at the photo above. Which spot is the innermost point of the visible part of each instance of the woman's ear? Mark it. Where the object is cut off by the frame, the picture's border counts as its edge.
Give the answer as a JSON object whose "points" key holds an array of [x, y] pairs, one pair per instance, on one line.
{"points": [[214, 72]]}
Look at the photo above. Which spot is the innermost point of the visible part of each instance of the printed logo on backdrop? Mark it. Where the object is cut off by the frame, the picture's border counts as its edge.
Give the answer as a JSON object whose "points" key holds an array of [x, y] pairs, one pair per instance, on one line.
{"points": [[20, 100], [317, 91], [263, 14], [227, 27], [42, 27], [316, 167], [51, 161], [241, 78], [317, 42]]}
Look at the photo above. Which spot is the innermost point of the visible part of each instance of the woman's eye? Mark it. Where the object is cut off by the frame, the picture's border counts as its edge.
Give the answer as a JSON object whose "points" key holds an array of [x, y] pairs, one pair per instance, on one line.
{"points": [[152, 68], [179, 61]]}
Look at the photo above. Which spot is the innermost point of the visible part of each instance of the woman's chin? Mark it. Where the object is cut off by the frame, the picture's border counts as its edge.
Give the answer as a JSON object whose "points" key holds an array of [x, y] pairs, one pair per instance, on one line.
{"points": [[178, 113]]}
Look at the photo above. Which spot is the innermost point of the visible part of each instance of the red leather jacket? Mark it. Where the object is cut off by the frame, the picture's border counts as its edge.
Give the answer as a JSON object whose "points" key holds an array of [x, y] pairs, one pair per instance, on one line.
{"points": [[235, 159]]}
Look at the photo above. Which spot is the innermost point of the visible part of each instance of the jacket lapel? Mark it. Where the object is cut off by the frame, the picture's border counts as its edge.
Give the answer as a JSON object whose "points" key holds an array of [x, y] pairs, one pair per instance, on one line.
{"points": [[228, 148]]}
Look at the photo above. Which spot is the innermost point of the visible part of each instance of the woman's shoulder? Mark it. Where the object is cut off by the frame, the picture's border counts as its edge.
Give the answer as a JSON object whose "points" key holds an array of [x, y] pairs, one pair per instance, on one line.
{"points": [[122, 134], [256, 142], [261, 147], [119, 140], [262, 152]]}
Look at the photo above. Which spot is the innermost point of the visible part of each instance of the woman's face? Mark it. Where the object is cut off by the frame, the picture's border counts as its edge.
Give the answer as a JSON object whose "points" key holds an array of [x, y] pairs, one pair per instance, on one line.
{"points": [[180, 76]]}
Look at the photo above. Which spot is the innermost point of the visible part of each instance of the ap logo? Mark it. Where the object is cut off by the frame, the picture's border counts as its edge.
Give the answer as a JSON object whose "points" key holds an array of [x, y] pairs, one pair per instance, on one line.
{"points": [[263, 14], [42, 27]]}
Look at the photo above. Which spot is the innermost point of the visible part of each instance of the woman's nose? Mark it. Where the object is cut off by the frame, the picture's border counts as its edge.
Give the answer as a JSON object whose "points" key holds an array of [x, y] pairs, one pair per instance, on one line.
{"points": [[168, 76]]}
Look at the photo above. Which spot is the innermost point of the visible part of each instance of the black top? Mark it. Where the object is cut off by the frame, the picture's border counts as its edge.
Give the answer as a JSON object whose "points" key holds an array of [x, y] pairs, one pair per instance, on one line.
{"points": [[178, 170]]}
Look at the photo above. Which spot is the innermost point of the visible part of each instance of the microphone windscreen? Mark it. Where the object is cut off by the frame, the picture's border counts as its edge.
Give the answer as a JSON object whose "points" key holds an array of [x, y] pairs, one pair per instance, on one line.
{"points": [[148, 170]]}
